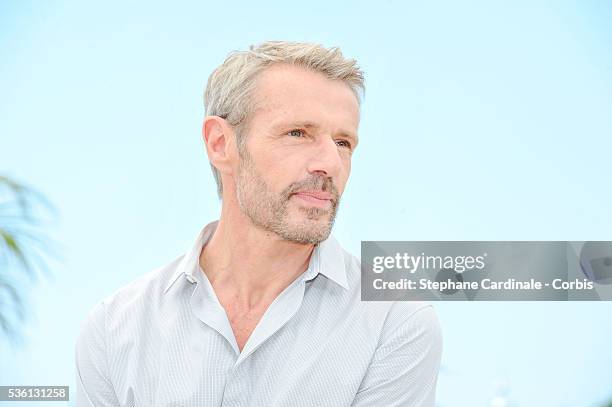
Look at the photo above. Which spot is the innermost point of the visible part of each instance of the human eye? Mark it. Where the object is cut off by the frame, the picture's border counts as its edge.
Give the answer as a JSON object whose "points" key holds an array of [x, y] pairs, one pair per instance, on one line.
{"points": [[344, 143], [295, 133]]}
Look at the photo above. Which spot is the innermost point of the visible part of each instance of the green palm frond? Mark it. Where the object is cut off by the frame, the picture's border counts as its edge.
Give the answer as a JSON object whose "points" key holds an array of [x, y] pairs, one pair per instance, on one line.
{"points": [[22, 245]]}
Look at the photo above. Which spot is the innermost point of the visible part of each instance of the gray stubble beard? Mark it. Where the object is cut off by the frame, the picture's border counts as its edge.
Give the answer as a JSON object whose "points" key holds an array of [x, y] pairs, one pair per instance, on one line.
{"points": [[270, 212]]}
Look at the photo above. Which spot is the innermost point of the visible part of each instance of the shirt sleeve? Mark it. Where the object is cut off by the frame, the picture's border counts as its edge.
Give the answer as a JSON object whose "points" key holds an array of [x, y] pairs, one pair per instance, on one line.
{"points": [[93, 385], [404, 369]]}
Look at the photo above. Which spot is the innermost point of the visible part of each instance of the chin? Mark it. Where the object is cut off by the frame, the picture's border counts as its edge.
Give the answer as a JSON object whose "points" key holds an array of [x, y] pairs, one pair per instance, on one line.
{"points": [[313, 231]]}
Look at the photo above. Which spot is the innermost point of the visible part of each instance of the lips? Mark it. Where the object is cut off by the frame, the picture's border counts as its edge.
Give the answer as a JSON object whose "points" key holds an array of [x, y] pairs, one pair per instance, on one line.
{"points": [[324, 196]]}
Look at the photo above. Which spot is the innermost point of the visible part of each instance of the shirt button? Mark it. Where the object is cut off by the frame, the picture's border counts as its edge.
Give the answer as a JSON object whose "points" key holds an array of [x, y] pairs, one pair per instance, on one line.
{"points": [[191, 279]]}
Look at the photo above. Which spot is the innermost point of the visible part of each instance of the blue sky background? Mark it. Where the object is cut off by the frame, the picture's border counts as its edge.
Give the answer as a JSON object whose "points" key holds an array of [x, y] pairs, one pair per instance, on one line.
{"points": [[481, 121]]}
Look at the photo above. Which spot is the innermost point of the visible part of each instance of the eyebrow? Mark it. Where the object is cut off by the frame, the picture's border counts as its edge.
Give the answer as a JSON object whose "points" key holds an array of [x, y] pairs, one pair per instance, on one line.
{"points": [[314, 126]]}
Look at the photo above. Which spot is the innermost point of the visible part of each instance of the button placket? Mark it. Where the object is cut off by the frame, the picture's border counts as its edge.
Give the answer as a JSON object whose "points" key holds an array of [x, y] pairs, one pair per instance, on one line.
{"points": [[233, 391]]}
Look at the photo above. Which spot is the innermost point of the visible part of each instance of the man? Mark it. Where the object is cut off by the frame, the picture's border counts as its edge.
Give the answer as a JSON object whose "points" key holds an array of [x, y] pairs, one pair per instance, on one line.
{"points": [[264, 309]]}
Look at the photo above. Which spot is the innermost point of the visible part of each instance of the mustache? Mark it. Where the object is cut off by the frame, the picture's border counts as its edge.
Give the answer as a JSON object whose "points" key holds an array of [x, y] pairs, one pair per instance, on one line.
{"points": [[317, 183]]}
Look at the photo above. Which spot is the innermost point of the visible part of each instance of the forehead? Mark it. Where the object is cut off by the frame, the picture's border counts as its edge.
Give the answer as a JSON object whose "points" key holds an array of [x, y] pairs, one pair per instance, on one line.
{"points": [[285, 92]]}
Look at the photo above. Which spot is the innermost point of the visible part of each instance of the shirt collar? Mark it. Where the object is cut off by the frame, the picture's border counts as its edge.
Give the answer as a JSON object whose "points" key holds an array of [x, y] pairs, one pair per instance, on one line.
{"points": [[327, 259]]}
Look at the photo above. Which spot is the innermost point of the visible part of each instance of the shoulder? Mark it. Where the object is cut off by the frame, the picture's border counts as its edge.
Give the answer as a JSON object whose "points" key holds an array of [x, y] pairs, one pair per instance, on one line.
{"points": [[413, 319], [419, 317], [141, 293]]}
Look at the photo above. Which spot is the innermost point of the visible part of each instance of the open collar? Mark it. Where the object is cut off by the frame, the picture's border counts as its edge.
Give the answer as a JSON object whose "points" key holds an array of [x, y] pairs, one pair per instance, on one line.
{"points": [[327, 258]]}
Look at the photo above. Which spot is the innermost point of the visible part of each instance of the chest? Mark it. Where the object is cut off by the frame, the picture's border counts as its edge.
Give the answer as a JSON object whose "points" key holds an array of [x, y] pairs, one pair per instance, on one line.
{"points": [[303, 348], [281, 374], [243, 323]]}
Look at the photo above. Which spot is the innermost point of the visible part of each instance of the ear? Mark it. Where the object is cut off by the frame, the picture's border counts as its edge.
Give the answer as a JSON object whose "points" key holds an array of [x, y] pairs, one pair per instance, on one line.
{"points": [[218, 137]]}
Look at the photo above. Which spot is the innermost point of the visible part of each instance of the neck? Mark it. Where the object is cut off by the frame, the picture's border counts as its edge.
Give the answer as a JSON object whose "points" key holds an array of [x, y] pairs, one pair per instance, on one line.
{"points": [[249, 265]]}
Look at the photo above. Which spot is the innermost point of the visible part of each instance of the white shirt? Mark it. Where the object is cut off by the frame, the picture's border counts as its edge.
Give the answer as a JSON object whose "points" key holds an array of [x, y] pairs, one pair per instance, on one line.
{"points": [[165, 340]]}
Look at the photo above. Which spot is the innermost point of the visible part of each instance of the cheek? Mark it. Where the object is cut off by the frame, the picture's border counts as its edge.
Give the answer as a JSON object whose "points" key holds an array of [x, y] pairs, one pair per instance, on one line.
{"points": [[278, 170], [286, 162], [348, 166], [344, 177], [267, 161], [284, 167]]}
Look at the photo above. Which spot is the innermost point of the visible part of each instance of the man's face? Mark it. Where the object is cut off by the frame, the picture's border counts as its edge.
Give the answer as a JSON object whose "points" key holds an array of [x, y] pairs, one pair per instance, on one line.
{"points": [[299, 143]]}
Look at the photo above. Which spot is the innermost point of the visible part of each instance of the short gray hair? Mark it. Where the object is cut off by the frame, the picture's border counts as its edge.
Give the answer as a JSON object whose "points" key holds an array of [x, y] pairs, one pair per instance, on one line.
{"points": [[229, 89]]}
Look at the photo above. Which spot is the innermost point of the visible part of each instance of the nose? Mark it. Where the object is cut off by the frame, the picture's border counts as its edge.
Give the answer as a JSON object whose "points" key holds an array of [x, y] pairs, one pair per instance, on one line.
{"points": [[326, 159]]}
